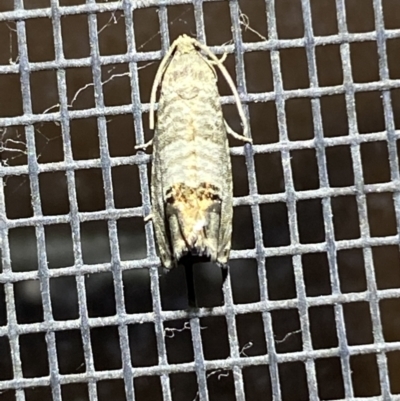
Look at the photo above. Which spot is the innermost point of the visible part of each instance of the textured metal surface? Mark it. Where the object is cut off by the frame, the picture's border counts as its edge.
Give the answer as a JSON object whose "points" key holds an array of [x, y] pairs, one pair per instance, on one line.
{"points": [[296, 250]]}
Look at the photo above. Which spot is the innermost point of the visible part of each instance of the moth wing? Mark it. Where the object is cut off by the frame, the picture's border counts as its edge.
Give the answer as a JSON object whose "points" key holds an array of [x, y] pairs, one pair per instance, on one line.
{"points": [[158, 208], [225, 229]]}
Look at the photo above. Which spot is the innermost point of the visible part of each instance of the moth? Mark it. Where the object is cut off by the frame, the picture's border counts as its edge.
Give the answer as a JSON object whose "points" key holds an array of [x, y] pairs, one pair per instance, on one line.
{"points": [[191, 179]]}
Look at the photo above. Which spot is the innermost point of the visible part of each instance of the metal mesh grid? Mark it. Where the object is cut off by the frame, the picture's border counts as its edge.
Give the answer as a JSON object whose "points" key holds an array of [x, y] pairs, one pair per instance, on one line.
{"points": [[13, 330]]}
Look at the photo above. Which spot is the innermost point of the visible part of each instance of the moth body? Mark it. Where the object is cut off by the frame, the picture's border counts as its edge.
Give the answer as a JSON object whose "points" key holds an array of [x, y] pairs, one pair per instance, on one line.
{"points": [[191, 184]]}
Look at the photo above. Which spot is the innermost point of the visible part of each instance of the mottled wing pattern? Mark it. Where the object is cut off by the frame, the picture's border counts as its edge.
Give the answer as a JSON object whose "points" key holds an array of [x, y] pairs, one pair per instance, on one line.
{"points": [[158, 207]]}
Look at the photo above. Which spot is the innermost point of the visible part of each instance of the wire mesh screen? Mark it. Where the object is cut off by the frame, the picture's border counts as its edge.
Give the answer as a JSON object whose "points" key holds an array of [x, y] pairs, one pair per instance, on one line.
{"points": [[311, 306]]}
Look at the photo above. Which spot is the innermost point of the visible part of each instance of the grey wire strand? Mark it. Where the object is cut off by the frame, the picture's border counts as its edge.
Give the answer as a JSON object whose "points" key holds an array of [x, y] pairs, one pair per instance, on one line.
{"points": [[361, 198], [235, 363], [326, 203]]}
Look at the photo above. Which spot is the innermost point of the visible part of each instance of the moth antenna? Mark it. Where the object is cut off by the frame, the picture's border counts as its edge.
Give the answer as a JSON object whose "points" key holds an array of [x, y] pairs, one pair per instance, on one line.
{"points": [[220, 60], [157, 80], [231, 132], [231, 84]]}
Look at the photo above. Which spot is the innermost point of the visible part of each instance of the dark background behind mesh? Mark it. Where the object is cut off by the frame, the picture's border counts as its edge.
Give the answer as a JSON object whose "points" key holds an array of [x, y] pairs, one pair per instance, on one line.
{"points": [[313, 300]]}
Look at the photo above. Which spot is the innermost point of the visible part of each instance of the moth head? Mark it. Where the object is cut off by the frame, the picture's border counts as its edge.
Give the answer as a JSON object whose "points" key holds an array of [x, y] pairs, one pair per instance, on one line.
{"points": [[185, 44]]}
